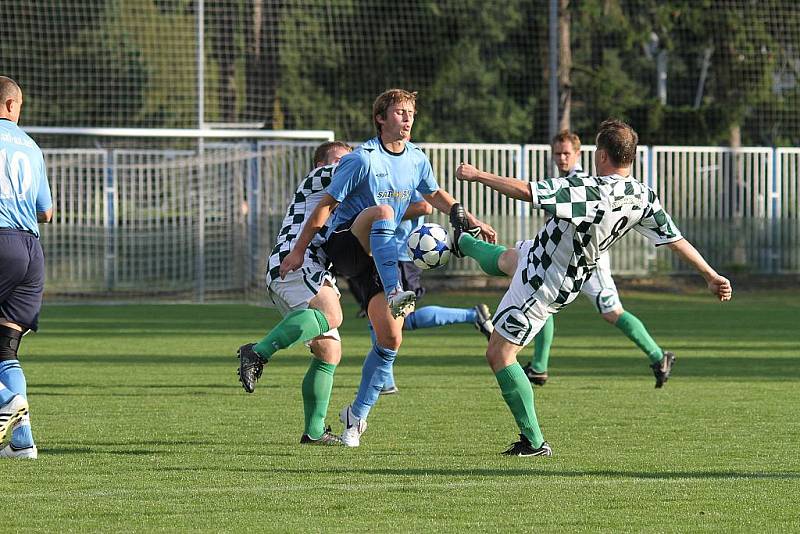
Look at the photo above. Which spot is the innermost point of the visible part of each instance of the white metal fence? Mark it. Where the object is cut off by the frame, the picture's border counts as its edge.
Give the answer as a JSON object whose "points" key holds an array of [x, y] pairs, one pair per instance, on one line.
{"points": [[198, 224]]}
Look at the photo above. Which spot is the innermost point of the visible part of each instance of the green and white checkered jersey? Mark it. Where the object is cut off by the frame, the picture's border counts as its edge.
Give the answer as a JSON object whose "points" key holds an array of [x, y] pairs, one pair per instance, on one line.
{"points": [[308, 194], [588, 215]]}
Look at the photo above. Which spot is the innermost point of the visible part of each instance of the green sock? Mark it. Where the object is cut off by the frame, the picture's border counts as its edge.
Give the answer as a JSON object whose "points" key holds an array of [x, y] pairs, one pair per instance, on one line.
{"points": [[518, 394], [541, 346], [317, 386], [632, 327], [485, 253], [300, 325]]}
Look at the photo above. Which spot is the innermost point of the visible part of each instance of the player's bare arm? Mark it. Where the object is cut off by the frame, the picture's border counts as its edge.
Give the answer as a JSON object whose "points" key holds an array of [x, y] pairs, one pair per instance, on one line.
{"points": [[510, 187], [417, 209], [717, 284], [318, 217], [443, 201]]}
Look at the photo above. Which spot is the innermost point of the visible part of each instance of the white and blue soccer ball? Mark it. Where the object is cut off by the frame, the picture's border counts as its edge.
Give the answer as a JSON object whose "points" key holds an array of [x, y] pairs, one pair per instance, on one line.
{"points": [[429, 246]]}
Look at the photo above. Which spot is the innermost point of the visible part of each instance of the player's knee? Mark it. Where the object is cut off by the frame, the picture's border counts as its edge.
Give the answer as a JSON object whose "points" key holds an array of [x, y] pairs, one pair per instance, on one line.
{"points": [[382, 212], [327, 350], [10, 340], [613, 316], [390, 340], [508, 261]]}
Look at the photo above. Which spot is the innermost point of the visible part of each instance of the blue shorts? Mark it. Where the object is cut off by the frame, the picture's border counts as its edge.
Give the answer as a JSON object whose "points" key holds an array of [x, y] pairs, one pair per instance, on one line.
{"points": [[21, 277]]}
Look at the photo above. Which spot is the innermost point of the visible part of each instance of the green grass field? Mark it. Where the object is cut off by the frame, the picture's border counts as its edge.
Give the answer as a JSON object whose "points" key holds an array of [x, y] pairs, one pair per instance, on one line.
{"points": [[142, 426]]}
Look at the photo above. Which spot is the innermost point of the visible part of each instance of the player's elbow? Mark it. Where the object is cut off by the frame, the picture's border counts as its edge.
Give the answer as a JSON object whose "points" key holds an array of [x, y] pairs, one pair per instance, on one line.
{"points": [[44, 216]]}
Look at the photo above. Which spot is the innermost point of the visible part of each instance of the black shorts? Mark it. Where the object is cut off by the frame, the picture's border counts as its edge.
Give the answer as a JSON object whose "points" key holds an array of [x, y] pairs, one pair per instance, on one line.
{"points": [[21, 277], [350, 260], [411, 278]]}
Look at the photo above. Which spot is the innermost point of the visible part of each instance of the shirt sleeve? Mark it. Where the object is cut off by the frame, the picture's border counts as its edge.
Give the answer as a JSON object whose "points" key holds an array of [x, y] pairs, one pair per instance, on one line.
{"points": [[44, 200], [656, 224], [553, 196], [349, 174], [427, 183]]}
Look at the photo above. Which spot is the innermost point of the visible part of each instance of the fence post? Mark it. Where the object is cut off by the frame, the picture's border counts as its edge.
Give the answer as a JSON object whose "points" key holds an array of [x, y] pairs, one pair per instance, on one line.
{"points": [[109, 220], [254, 212]]}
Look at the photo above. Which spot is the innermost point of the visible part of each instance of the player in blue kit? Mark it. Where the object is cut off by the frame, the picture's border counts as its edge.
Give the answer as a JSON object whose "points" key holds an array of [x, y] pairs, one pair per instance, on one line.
{"points": [[25, 201], [371, 190]]}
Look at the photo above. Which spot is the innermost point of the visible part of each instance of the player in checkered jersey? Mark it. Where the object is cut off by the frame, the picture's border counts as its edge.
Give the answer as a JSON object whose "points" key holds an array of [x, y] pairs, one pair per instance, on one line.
{"points": [[599, 288], [588, 215], [308, 299]]}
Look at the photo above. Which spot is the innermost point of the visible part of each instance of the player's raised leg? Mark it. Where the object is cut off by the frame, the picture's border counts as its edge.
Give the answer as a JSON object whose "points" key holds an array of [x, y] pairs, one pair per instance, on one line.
{"points": [[375, 230], [307, 316]]}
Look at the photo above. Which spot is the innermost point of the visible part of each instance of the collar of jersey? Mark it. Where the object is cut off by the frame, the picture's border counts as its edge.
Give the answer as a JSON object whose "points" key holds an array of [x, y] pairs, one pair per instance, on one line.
{"points": [[380, 141]]}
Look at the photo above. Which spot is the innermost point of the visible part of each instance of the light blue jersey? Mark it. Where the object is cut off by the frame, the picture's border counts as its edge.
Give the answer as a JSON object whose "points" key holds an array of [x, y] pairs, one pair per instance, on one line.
{"points": [[371, 175], [24, 189], [405, 228]]}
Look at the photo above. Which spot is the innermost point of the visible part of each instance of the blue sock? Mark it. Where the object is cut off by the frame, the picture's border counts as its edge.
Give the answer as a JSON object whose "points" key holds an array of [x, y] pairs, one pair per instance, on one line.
{"points": [[390, 380], [438, 316], [5, 394], [12, 377], [384, 252], [376, 370]]}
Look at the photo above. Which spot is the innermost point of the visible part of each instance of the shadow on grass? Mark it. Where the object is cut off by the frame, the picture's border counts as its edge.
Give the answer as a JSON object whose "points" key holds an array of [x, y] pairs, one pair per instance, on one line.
{"points": [[606, 473], [746, 368]]}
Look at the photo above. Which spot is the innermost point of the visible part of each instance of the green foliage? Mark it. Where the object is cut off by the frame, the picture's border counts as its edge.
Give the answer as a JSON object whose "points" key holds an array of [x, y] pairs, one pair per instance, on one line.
{"points": [[480, 66]]}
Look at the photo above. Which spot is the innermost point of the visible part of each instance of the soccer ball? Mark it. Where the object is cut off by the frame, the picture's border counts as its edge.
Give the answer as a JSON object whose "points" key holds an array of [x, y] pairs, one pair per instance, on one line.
{"points": [[429, 246]]}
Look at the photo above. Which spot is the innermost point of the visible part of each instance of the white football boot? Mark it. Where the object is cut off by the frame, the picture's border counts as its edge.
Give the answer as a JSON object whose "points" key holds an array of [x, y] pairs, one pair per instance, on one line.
{"points": [[10, 413], [401, 303], [353, 427], [29, 453]]}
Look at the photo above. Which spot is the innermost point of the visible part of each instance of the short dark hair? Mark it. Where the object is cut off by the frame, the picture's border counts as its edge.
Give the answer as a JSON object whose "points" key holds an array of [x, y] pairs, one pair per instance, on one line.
{"points": [[386, 99], [321, 153], [9, 89], [619, 141], [565, 136]]}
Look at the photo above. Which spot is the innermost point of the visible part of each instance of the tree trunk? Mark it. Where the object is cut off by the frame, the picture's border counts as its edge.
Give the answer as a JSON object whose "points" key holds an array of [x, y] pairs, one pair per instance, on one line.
{"points": [[261, 63], [564, 65]]}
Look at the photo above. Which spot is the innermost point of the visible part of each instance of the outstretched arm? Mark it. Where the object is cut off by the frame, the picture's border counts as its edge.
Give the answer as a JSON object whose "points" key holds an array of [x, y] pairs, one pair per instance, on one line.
{"points": [[315, 221], [443, 201], [718, 285], [510, 187]]}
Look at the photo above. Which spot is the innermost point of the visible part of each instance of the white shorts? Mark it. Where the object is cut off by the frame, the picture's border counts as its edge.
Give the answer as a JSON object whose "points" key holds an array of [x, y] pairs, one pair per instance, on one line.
{"points": [[601, 289], [296, 290], [523, 311]]}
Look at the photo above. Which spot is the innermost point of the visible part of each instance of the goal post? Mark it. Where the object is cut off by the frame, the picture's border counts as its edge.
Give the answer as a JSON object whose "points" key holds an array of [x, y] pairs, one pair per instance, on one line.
{"points": [[178, 215]]}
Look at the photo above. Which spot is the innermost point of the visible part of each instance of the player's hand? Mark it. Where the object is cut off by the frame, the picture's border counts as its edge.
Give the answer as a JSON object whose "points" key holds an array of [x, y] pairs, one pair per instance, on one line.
{"points": [[721, 287], [467, 172], [290, 263], [488, 233]]}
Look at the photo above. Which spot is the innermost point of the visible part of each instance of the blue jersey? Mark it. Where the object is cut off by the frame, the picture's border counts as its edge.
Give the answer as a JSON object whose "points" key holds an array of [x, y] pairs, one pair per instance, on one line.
{"points": [[371, 175], [24, 189], [404, 230]]}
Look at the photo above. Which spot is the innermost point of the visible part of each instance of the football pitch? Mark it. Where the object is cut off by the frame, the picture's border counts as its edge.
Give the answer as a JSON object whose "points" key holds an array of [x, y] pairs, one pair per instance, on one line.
{"points": [[142, 426]]}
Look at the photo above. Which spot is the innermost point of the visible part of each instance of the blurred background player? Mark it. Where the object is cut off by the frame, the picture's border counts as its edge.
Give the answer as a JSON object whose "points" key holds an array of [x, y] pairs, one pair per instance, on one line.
{"points": [[25, 201], [371, 190], [308, 299], [599, 288], [588, 214]]}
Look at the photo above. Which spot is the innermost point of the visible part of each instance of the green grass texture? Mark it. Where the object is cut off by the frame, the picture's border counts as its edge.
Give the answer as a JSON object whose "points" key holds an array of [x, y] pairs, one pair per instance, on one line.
{"points": [[142, 426]]}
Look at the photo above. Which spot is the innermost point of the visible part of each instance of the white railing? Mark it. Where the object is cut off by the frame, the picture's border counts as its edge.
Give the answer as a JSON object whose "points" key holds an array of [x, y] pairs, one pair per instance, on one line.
{"points": [[198, 223]]}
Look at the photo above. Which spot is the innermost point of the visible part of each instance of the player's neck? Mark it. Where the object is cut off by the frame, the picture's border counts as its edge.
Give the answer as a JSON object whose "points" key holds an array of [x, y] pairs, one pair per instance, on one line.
{"points": [[393, 146]]}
